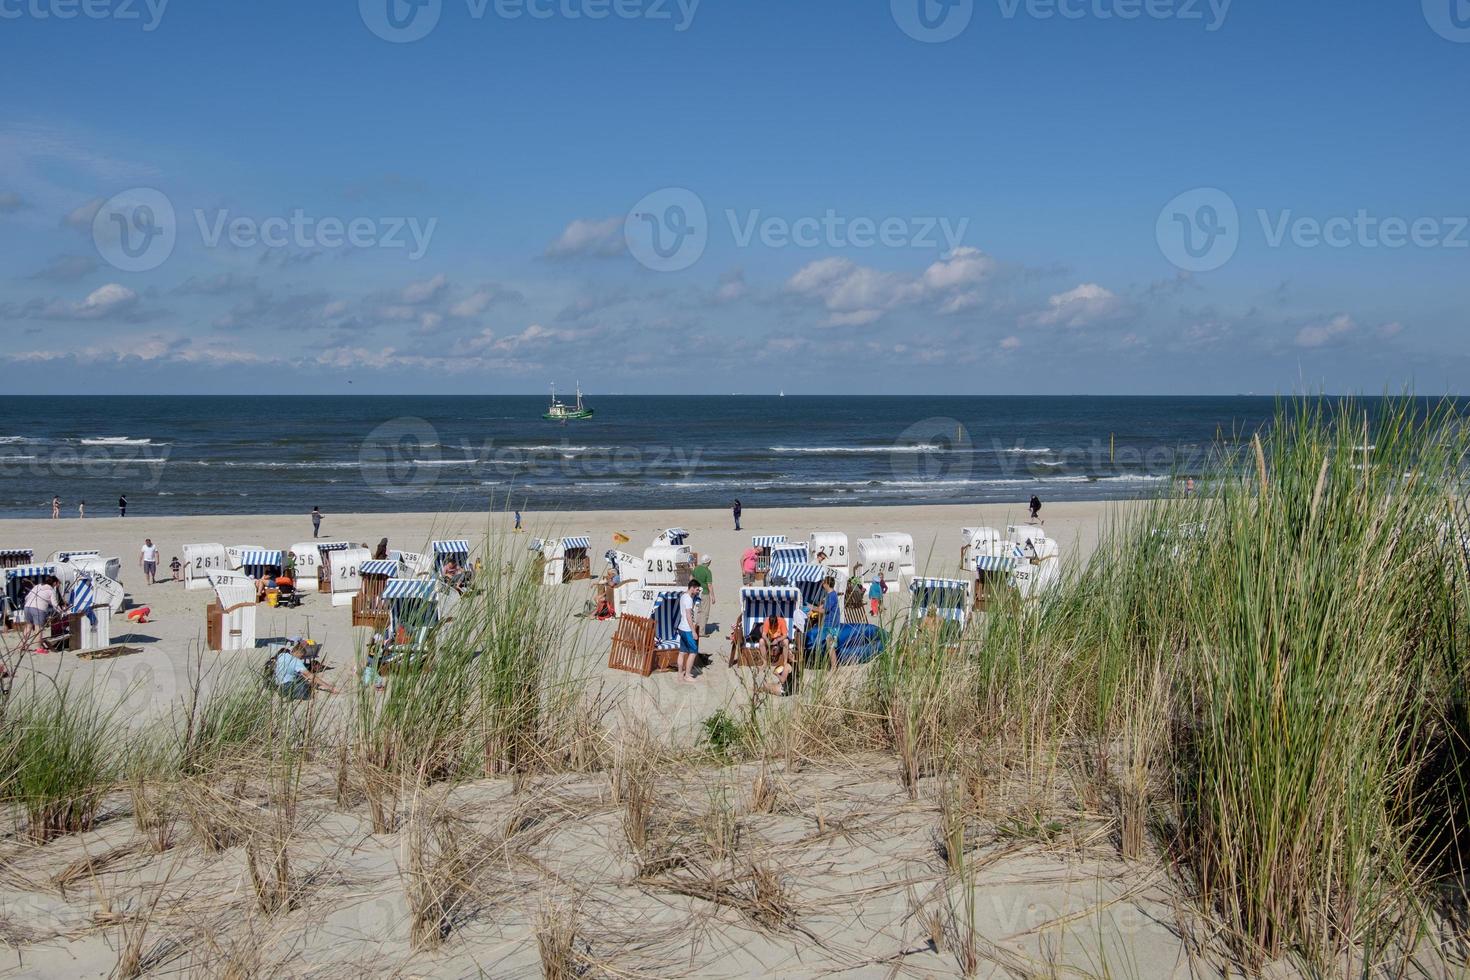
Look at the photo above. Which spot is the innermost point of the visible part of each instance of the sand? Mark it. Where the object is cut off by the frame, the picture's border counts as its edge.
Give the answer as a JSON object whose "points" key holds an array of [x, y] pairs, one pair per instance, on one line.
{"points": [[862, 884], [173, 640]]}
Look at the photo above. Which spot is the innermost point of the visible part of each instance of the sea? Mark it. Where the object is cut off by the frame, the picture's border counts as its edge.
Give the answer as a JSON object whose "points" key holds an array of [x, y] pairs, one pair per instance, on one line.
{"points": [[227, 454]]}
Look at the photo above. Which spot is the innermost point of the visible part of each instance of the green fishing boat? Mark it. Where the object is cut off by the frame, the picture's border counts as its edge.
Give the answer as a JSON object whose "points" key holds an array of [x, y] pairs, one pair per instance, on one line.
{"points": [[562, 412]]}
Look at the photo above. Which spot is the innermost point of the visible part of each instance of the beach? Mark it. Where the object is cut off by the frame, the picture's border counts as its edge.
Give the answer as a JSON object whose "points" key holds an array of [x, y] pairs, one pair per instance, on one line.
{"points": [[171, 642]]}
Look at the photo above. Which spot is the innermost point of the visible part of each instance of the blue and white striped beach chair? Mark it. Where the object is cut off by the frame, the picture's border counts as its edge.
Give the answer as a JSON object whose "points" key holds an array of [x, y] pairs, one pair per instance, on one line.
{"points": [[946, 599], [764, 544], [255, 562], [785, 557], [641, 646], [457, 549], [757, 604]]}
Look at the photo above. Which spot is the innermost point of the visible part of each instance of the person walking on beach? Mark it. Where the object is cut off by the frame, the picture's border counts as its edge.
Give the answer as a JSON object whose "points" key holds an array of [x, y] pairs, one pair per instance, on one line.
{"points": [[316, 522], [81, 509], [122, 506], [148, 558], [736, 511], [688, 641], [1035, 507], [518, 522], [55, 508]]}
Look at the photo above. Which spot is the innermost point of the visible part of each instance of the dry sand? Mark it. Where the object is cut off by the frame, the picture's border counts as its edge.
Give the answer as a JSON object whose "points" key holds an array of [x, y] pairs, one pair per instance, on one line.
{"points": [[860, 884], [172, 640]]}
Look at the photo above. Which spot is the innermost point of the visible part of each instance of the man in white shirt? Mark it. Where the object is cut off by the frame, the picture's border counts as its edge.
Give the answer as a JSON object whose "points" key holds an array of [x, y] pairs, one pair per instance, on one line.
{"points": [[688, 639], [148, 558]]}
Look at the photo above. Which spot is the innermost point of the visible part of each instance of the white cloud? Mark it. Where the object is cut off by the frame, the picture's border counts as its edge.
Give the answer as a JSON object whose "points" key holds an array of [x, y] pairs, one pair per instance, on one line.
{"points": [[732, 286], [473, 304], [1322, 334], [589, 237], [1388, 330], [853, 293], [1010, 343], [425, 290], [1078, 307], [963, 268], [81, 217]]}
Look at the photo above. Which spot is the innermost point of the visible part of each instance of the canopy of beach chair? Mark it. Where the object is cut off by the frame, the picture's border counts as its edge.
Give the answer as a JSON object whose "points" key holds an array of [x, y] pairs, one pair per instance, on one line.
{"points": [[257, 560], [80, 597], [768, 540], [381, 566], [758, 604], [807, 578], [948, 597], [24, 554], [570, 544]]}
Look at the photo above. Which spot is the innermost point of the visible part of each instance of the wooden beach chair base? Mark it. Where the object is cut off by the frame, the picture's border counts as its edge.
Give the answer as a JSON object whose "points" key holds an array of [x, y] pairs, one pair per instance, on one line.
{"points": [[635, 650]]}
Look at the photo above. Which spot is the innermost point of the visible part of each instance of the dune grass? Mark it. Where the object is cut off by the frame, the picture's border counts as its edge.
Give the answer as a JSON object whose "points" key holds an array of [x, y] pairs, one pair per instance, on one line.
{"points": [[1263, 687]]}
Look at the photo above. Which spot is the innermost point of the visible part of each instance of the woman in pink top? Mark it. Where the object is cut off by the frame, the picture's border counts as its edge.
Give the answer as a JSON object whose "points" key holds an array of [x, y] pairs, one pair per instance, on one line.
{"points": [[747, 566]]}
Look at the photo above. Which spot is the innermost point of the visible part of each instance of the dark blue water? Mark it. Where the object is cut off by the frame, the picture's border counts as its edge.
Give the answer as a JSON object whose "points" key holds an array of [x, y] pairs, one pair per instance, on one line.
{"points": [[194, 455]]}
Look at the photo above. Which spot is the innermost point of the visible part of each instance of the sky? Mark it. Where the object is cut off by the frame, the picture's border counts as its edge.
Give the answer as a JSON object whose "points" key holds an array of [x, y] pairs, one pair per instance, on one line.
{"points": [[712, 196]]}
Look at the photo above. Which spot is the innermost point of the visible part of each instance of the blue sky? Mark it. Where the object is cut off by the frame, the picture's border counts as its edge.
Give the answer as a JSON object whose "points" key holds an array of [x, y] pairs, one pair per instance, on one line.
{"points": [[505, 174]]}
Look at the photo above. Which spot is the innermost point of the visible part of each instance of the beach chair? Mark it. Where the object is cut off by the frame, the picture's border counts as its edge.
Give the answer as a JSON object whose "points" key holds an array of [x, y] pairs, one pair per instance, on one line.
{"points": [[88, 614], [756, 605], [11, 557], [941, 605], [417, 609], [671, 536], [764, 544], [369, 608], [255, 562], [643, 645], [229, 621]]}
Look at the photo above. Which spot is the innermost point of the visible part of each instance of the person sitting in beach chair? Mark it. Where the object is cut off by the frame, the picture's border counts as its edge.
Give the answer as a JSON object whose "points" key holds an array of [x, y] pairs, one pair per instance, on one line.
{"points": [[454, 576], [775, 647]]}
